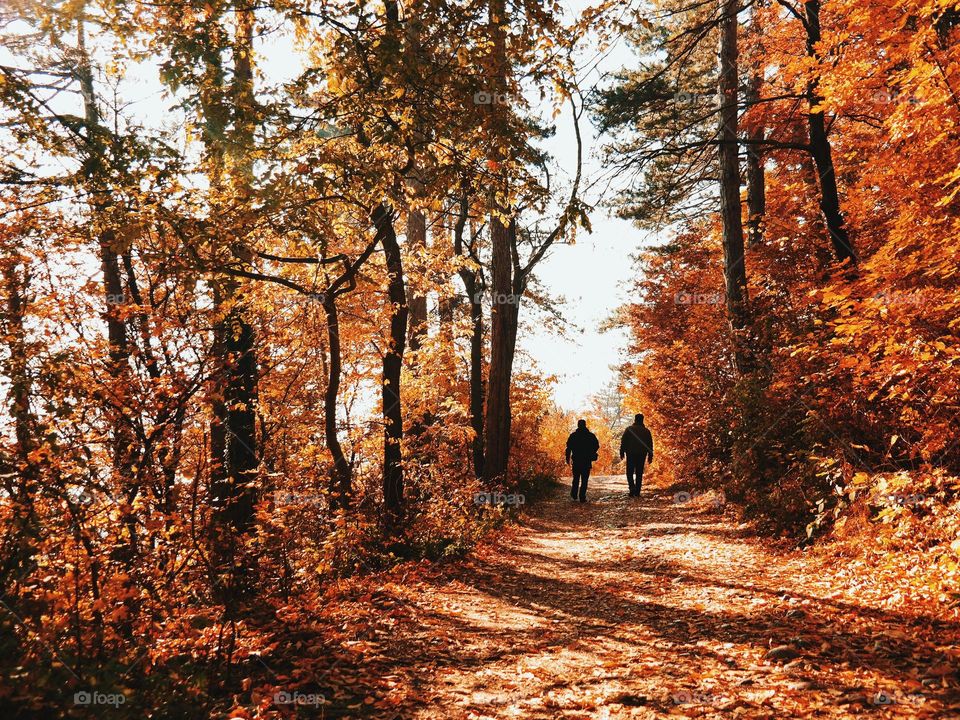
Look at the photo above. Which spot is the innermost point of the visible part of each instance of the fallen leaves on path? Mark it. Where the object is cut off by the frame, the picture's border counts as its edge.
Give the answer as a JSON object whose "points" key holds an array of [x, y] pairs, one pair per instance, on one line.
{"points": [[633, 608]]}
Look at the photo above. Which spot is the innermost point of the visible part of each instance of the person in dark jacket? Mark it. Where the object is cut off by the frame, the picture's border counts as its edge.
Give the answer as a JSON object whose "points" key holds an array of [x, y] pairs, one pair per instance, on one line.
{"points": [[637, 446], [582, 447]]}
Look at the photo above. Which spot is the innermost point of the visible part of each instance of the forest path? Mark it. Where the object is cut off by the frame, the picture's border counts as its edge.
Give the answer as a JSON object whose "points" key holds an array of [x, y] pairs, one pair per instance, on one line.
{"points": [[646, 607]]}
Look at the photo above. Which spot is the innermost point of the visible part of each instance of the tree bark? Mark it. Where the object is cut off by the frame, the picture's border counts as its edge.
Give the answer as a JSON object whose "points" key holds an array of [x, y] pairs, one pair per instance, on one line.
{"points": [[22, 529], [240, 389], [234, 443], [340, 478], [241, 401], [417, 241], [392, 367], [734, 268], [821, 150], [756, 175], [473, 287], [497, 423], [124, 442]]}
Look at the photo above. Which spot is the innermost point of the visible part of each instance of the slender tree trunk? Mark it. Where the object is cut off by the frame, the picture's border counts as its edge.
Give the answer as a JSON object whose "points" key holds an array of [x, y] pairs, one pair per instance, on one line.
{"points": [[417, 242], [241, 400], [392, 367], [821, 150], [22, 531], [446, 306], [124, 442], [234, 442], [215, 119], [756, 175], [340, 478], [416, 218], [242, 373], [476, 379], [734, 268], [470, 277], [219, 484]]}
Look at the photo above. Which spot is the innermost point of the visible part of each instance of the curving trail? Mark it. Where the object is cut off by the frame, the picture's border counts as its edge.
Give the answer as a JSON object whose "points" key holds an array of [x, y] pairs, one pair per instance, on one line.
{"points": [[643, 608]]}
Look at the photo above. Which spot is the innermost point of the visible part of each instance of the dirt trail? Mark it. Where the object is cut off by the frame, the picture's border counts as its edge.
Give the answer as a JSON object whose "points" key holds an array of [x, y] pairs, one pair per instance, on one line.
{"points": [[641, 608]]}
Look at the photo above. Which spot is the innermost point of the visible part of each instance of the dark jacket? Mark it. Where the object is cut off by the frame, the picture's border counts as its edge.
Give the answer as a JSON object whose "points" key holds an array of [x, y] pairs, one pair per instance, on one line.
{"points": [[582, 445], [637, 440]]}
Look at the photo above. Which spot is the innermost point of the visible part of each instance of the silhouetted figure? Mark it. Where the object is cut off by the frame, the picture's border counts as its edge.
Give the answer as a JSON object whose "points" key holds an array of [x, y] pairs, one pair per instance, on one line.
{"points": [[582, 446], [637, 446]]}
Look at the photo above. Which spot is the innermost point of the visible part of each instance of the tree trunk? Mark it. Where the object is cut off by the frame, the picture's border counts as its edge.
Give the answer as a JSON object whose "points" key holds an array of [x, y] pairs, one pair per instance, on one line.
{"points": [[756, 175], [821, 150], [392, 367], [234, 446], [471, 284], [417, 241], [734, 269], [240, 391], [497, 424], [340, 480], [124, 443], [22, 530], [241, 401]]}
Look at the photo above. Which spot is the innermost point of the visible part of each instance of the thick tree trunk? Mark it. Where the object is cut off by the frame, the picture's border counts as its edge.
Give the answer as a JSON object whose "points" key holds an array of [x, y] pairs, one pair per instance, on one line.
{"points": [[734, 268], [821, 150], [503, 311], [392, 367]]}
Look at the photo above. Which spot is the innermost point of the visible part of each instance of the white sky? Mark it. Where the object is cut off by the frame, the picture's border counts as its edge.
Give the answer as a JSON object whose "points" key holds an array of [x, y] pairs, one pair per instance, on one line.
{"points": [[594, 275]]}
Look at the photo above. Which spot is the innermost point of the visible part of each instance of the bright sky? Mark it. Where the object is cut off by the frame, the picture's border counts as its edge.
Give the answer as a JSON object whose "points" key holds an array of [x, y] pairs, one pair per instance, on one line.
{"points": [[594, 275]]}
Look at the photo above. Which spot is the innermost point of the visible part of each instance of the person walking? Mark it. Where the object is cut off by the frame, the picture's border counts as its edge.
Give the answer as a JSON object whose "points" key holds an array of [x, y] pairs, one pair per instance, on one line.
{"points": [[582, 447], [637, 446]]}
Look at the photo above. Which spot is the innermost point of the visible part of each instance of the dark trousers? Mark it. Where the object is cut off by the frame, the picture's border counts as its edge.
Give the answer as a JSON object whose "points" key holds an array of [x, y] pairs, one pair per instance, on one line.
{"points": [[635, 463], [581, 473]]}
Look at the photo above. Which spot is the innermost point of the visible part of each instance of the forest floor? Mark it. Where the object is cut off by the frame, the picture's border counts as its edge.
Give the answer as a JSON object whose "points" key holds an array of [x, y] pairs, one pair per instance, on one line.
{"points": [[638, 608]]}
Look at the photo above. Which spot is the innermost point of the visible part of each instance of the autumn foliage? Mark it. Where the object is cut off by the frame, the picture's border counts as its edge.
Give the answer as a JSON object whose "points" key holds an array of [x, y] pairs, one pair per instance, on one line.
{"points": [[849, 405], [261, 271]]}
